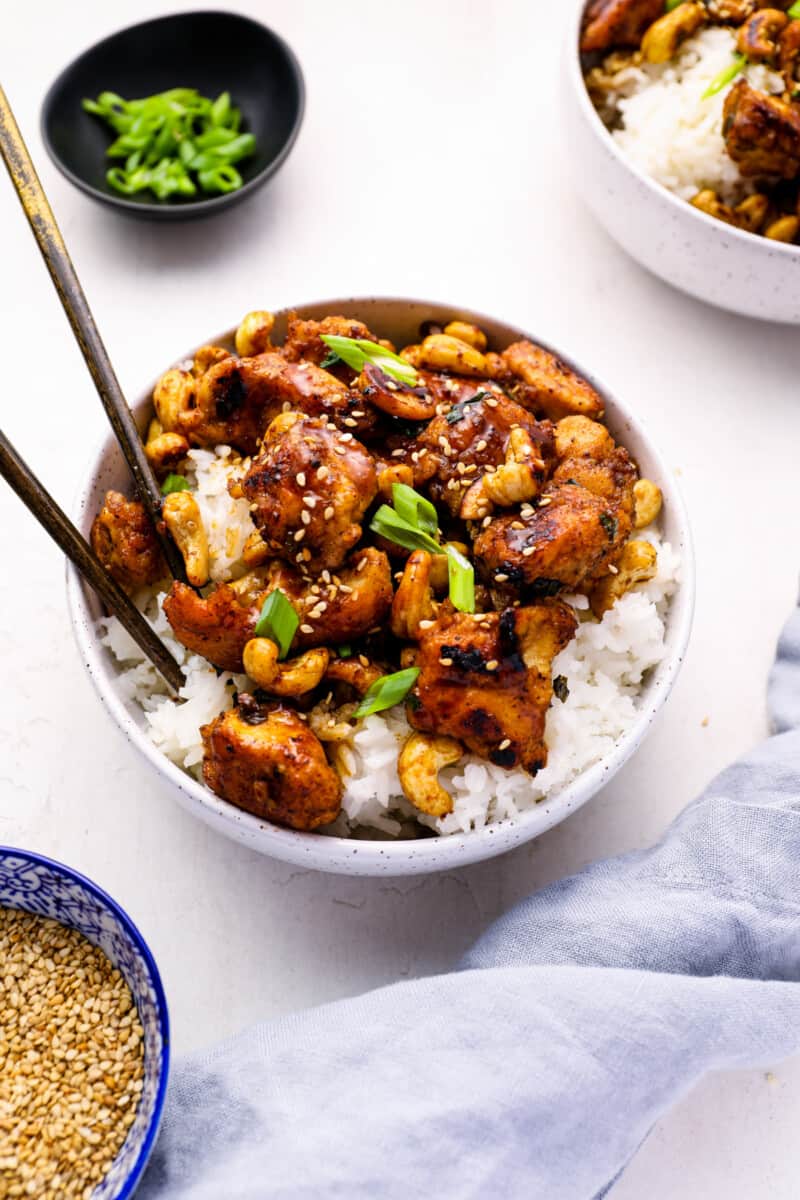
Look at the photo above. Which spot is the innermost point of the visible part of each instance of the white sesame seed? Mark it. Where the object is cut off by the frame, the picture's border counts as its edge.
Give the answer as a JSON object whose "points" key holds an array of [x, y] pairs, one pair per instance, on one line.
{"points": [[343, 587], [492, 664], [306, 628], [528, 551], [301, 478], [427, 624], [301, 533], [329, 511], [361, 564], [501, 578], [310, 501], [398, 453], [486, 522], [506, 742], [357, 412], [340, 450], [305, 517], [446, 662], [350, 422], [322, 472], [481, 445], [614, 570]]}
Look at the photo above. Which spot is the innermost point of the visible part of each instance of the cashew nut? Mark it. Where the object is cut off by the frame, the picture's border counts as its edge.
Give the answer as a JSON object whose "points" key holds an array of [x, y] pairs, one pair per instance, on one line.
{"points": [[647, 502], [182, 518], [419, 764], [172, 396], [758, 37], [664, 37], [166, 450], [752, 212], [637, 563], [785, 229], [579, 435], [441, 352], [515, 480], [206, 357], [413, 601], [253, 335], [353, 672], [709, 202], [255, 551], [293, 678], [465, 332], [396, 473]]}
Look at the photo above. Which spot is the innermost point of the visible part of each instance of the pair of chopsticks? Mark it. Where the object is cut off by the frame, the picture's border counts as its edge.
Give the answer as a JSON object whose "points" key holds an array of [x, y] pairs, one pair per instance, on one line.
{"points": [[16, 472]]}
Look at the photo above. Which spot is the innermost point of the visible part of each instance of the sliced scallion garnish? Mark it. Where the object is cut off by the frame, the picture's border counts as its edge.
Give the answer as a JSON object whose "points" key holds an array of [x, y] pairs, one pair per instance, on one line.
{"points": [[344, 651], [278, 621], [387, 691], [725, 77], [174, 483], [793, 13], [414, 508], [461, 577], [389, 524], [356, 352], [671, 4]]}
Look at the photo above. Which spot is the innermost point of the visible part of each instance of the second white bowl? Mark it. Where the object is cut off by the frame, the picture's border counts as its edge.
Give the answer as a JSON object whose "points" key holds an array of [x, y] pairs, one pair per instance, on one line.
{"points": [[726, 267]]}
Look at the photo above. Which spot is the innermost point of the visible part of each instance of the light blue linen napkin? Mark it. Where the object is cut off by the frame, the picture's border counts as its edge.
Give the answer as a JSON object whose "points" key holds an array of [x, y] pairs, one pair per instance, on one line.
{"points": [[537, 1068]]}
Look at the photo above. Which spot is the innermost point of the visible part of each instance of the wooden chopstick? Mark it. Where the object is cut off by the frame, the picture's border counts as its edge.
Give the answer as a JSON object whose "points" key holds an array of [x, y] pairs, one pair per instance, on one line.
{"points": [[20, 477], [51, 244]]}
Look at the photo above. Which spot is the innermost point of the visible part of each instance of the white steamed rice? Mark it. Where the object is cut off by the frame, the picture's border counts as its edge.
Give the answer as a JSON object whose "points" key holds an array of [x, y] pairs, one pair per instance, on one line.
{"points": [[665, 127], [605, 665]]}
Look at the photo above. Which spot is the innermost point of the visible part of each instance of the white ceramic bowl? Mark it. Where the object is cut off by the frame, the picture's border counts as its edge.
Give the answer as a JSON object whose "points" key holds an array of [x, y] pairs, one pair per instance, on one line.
{"points": [[400, 320], [724, 266]]}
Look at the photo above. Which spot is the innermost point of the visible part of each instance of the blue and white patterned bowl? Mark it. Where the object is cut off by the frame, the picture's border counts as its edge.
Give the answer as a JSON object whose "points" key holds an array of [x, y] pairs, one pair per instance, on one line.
{"points": [[49, 889]]}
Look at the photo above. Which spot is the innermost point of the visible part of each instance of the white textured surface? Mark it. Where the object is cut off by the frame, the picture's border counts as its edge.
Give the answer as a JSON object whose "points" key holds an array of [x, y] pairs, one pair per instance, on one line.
{"points": [[432, 166]]}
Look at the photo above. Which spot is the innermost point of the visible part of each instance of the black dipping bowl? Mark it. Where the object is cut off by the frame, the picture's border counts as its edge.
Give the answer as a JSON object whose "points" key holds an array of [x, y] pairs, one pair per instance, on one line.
{"points": [[211, 51]]}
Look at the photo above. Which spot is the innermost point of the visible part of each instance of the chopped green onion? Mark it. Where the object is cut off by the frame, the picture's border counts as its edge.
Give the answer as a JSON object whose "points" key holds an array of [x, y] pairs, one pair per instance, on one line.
{"points": [[174, 483], [278, 621], [387, 691], [461, 576], [388, 524], [356, 352], [344, 651], [671, 4], [725, 77], [414, 508], [164, 137], [794, 12]]}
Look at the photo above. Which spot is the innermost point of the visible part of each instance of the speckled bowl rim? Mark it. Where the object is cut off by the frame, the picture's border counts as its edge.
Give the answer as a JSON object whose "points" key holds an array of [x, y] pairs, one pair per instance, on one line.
{"points": [[657, 189], [353, 856], [162, 1010]]}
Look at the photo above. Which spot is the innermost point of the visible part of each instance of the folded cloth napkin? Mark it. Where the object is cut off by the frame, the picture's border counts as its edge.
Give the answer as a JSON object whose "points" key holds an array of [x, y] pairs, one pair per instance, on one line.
{"points": [[537, 1068]]}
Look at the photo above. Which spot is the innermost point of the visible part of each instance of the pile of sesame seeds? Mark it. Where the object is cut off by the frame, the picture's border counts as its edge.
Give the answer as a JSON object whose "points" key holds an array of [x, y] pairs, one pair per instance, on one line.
{"points": [[71, 1060]]}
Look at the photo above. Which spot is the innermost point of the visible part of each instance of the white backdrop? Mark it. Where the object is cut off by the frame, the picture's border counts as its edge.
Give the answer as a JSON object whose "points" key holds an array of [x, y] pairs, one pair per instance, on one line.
{"points": [[431, 163]]}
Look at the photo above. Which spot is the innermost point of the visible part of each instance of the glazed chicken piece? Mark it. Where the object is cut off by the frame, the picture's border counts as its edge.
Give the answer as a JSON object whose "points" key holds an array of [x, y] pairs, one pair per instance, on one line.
{"points": [[566, 540], [486, 680], [124, 540], [304, 341], [308, 491], [332, 609], [762, 133], [617, 22], [236, 399], [218, 626], [552, 387], [339, 606], [267, 761], [457, 449]]}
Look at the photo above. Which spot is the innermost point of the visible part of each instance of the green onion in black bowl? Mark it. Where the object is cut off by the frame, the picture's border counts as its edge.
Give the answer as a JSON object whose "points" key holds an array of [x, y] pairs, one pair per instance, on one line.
{"points": [[223, 62]]}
